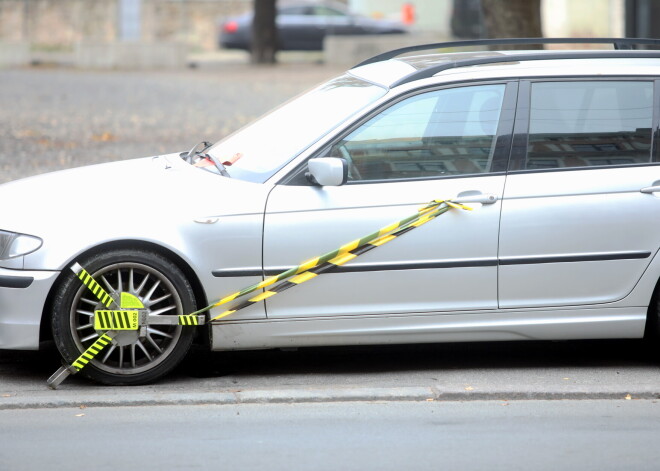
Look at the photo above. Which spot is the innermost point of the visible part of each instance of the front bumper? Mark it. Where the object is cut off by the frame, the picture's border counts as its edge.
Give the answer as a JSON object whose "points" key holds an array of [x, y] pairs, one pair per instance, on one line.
{"points": [[22, 297]]}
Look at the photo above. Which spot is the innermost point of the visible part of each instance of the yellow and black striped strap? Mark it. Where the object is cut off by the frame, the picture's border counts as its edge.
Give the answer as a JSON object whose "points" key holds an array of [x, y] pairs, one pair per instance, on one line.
{"points": [[189, 319], [92, 285], [93, 350], [345, 257], [348, 247]]}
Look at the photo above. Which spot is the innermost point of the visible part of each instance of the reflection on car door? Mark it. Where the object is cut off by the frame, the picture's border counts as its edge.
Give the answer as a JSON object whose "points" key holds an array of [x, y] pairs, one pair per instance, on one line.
{"points": [[575, 227], [433, 145]]}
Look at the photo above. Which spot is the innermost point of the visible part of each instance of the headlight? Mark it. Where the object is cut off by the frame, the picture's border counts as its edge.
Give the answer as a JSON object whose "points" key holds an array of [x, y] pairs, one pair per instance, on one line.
{"points": [[14, 245]]}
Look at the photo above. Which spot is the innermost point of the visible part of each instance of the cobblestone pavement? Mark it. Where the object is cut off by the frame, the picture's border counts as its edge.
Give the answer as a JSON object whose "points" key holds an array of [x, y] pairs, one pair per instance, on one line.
{"points": [[54, 118]]}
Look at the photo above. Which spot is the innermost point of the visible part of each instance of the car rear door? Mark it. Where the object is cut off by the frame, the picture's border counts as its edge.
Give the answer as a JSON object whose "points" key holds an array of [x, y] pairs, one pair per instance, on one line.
{"points": [[436, 144], [580, 216]]}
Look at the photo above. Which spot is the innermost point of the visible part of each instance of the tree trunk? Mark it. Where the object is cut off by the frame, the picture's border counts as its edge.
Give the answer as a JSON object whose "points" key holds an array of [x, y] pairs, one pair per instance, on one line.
{"points": [[264, 32], [513, 19]]}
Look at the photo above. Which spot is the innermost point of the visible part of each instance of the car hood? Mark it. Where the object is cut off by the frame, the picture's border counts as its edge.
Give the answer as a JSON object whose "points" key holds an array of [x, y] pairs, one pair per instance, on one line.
{"points": [[124, 192]]}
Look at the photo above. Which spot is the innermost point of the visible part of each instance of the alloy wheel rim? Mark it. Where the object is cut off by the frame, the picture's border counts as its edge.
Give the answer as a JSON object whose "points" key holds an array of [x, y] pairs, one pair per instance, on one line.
{"points": [[130, 353]]}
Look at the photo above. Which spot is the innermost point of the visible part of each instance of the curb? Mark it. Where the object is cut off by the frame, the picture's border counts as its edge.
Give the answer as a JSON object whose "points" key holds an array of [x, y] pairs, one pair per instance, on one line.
{"points": [[306, 396]]}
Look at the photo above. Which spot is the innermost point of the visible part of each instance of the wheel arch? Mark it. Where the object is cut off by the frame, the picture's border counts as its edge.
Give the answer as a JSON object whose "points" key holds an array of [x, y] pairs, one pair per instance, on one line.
{"points": [[651, 329], [45, 333]]}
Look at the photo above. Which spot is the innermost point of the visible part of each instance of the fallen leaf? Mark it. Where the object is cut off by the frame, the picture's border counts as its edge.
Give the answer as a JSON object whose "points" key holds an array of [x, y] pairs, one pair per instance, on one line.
{"points": [[105, 137], [6, 395], [83, 406], [430, 399]]}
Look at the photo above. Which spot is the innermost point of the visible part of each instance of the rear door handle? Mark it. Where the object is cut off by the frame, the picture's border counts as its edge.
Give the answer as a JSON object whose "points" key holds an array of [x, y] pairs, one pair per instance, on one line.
{"points": [[480, 198], [650, 189]]}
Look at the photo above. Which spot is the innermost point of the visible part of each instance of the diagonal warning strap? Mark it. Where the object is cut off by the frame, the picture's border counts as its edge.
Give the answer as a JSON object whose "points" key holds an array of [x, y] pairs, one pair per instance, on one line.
{"points": [[348, 247], [424, 215]]}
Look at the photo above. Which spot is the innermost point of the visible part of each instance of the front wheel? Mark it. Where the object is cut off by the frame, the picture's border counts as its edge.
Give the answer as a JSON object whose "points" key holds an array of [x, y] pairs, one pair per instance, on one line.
{"points": [[134, 357]]}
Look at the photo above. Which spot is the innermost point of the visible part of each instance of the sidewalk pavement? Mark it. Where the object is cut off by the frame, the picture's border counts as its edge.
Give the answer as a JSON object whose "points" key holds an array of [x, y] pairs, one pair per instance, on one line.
{"points": [[618, 370]]}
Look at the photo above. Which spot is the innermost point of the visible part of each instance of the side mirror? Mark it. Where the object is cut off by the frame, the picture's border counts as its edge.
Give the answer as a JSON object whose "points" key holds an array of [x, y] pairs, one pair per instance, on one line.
{"points": [[328, 171]]}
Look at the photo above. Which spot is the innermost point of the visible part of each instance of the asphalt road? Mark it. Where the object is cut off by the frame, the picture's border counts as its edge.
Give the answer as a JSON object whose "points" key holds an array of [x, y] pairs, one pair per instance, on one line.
{"points": [[494, 435]]}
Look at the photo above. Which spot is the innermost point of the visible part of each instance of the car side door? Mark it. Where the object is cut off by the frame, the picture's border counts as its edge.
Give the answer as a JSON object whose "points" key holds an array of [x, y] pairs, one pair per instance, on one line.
{"points": [[434, 144], [300, 28], [581, 209]]}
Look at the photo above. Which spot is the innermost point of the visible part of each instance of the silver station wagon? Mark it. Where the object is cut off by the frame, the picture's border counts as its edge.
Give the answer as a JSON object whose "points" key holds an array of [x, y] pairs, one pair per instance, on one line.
{"points": [[555, 151]]}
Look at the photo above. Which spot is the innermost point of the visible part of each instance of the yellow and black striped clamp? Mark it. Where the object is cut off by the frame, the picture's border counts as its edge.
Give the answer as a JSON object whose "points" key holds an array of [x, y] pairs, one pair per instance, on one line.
{"points": [[92, 285], [120, 319], [191, 319], [93, 350], [88, 355]]}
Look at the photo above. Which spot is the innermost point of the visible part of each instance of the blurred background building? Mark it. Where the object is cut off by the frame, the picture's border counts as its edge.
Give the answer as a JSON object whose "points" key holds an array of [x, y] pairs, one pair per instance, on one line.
{"points": [[61, 25]]}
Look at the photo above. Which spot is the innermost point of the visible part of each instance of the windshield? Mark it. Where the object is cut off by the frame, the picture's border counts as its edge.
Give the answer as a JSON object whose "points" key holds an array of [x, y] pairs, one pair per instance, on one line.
{"points": [[255, 152]]}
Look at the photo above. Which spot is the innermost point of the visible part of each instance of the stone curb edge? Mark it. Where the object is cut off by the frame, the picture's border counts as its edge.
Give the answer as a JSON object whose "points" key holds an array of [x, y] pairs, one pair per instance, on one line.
{"points": [[301, 396]]}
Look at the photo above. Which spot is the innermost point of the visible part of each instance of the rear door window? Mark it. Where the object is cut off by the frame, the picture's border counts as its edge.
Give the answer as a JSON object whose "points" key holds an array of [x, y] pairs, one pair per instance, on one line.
{"points": [[589, 124]]}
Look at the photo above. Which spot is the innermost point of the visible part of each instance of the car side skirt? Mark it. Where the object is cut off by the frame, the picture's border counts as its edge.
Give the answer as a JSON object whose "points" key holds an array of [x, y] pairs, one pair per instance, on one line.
{"points": [[503, 325]]}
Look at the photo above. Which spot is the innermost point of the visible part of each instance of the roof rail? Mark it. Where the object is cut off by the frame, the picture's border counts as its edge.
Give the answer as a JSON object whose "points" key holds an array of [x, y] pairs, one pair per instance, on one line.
{"points": [[617, 43], [431, 71]]}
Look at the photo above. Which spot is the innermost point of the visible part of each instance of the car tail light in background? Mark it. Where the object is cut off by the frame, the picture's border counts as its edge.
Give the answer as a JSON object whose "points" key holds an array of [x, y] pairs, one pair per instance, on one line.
{"points": [[230, 27]]}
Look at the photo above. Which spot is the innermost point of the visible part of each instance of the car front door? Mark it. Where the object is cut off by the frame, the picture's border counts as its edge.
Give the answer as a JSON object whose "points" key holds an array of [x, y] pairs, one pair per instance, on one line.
{"points": [[580, 216], [436, 144]]}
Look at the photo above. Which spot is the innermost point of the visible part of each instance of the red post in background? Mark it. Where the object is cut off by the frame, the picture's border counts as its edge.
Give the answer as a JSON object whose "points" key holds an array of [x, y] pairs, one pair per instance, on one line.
{"points": [[408, 14]]}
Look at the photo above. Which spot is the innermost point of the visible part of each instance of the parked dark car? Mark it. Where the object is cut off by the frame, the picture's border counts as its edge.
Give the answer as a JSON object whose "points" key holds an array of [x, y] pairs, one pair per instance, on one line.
{"points": [[302, 27]]}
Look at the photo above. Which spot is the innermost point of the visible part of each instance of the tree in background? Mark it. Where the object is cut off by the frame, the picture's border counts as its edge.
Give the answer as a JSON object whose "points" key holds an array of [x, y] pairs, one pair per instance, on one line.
{"points": [[264, 32], [513, 19]]}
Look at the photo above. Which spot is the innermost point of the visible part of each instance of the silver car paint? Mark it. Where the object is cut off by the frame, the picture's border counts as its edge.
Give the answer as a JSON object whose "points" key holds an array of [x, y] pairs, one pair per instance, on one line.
{"points": [[235, 210], [20, 309], [317, 220], [563, 214], [532, 324]]}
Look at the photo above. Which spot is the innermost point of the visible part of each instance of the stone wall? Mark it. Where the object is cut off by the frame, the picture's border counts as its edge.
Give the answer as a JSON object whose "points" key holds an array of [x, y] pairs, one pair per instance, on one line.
{"points": [[60, 24]]}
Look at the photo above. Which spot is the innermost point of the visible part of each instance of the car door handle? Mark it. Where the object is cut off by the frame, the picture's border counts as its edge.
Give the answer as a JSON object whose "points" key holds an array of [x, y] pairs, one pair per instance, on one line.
{"points": [[480, 198], [650, 189]]}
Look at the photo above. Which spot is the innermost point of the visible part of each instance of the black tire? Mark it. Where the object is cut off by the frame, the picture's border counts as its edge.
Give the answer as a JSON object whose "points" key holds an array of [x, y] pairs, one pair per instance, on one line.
{"points": [[133, 359]]}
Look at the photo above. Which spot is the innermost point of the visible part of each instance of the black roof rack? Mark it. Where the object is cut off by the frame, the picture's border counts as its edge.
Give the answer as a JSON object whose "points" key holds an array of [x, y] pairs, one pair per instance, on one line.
{"points": [[431, 71], [617, 43]]}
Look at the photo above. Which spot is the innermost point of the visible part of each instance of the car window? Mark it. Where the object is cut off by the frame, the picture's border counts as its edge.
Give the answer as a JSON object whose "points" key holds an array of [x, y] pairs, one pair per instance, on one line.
{"points": [[439, 133], [259, 149], [584, 124], [295, 11], [325, 11]]}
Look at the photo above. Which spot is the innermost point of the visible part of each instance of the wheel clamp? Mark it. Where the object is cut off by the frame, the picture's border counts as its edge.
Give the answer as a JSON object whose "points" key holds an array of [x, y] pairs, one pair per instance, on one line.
{"points": [[128, 313]]}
